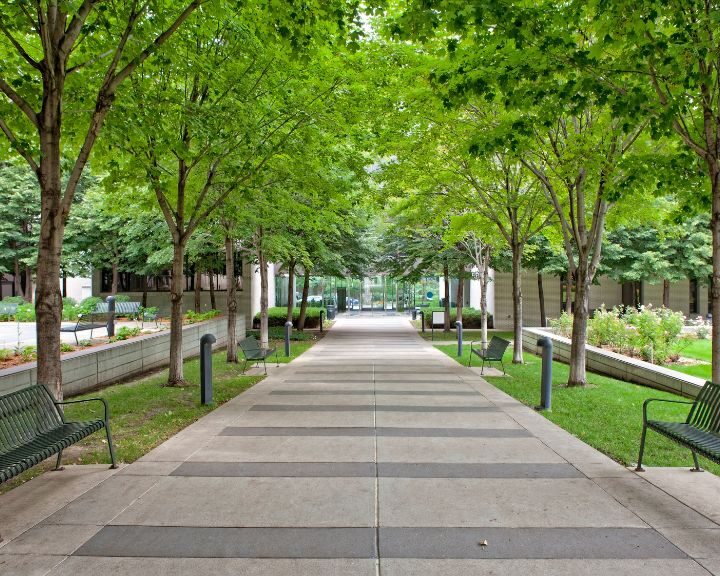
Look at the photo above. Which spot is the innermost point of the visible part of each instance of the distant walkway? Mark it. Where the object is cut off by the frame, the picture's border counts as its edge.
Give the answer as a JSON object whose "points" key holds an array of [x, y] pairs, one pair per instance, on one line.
{"points": [[373, 453]]}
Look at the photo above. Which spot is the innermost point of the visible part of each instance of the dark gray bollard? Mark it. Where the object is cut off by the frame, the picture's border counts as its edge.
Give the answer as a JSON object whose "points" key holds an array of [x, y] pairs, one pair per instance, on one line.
{"points": [[414, 314], [206, 343], [422, 319], [321, 320], [458, 326], [111, 315], [288, 331], [546, 380]]}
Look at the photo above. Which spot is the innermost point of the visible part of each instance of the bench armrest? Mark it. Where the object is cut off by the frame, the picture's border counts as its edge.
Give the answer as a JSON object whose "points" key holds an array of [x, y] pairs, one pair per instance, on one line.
{"points": [[645, 404], [104, 402]]}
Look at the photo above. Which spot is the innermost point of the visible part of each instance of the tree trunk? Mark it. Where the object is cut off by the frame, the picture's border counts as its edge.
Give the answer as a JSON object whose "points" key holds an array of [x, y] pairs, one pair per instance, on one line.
{"points": [[517, 250], [262, 263], [17, 281], [145, 292], [115, 277], [304, 301], [666, 293], [213, 303], [176, 376], [197, 285], [291, 291], [568, 292], [714, 172], [446, 281], [541, 296], [459, 297], [29, 284], [231, 302], [579, 331], [484, 278]]}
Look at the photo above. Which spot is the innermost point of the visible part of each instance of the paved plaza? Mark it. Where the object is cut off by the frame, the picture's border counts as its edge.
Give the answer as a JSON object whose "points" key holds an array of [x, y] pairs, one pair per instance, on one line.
{"points": [[373, 453]]}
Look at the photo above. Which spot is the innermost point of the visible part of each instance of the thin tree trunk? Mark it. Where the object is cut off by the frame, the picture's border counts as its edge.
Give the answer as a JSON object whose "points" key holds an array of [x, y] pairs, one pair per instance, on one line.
{"points": [[213, 303], [568, 292], [666, 293], [517, 250], [541, 296], [304, 301], [291, 291], [197, 285], [262, 263], [176, 375], [231, 302], [484, 279], [714, 172], [446, 280], [17, 281], [29, 284], [579, 331], [64, 285], [115, 277], [459, 297], [145, 292]]}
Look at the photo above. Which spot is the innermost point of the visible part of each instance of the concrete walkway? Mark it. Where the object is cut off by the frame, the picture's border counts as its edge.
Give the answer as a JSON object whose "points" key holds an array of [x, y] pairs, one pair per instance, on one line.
{"points": [[373, 453]]}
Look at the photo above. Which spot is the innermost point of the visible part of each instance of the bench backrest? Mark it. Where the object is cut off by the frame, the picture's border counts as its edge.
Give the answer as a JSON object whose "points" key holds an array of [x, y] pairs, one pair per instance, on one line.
{"points": [[250, 344], [8, 308], [705, 413], [25, 414], [127, 307], [496, 348]]}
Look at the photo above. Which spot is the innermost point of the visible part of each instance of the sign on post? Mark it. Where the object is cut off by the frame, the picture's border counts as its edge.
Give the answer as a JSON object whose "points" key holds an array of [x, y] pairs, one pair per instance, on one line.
{"points": [[437, 319]]}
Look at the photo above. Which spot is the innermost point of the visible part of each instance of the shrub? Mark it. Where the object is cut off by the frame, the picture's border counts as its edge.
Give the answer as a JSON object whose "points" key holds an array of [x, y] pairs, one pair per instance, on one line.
{"points": [[65, 347], [14, 300], [277, 316], [88, 305], [192, 317], [656, 331], [122, 298], [28, 353], [6, 354], [606, 328], [472, 318], [124, 333], [562, 325], [25, 313], [85, 343], [702, 328]]}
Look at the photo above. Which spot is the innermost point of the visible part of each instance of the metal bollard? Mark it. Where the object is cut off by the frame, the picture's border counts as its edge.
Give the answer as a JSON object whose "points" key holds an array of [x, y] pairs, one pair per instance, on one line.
{"points": [[546, 380], [422, 319], [288, 331], [414, 314], [111, 315], [206, 343], [458, 326], [321, 320]]}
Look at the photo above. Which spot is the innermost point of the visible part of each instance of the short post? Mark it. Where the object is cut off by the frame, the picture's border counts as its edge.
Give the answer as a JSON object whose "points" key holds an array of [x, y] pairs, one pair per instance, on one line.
{"points": [[288, 331], [206, 343], [321, 320], [546, 379], [422, 320], [414, 313], [111, 315], [458, 326]]}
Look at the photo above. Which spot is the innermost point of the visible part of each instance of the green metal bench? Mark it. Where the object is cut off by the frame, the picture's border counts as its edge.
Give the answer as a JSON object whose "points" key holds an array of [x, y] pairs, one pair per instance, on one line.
{"points": [[33, 428], [253, 353], [701, 430], [8, 308], [493, 353], [84, 322]]}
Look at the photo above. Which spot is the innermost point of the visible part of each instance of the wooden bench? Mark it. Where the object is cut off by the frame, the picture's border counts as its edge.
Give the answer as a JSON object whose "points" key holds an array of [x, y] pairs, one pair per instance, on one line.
{"points": [[493, 353], [253, 353], [701, 430]]}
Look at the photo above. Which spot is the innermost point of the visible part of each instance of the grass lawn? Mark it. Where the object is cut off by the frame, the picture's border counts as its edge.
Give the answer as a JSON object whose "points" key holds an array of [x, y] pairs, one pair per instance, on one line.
{"points": [[700, 350], [468, 334], [144, 413], [607, 414]]}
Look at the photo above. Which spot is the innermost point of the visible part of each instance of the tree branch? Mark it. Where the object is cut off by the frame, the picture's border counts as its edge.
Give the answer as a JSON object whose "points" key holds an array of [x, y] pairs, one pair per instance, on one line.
{"points": [[19, 101], [16, 145], [29, 59]]}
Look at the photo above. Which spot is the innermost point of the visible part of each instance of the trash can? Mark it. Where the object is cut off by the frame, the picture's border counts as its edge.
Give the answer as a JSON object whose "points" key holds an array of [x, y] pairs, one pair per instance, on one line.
{"points": [[331, 309], [414, 313]]}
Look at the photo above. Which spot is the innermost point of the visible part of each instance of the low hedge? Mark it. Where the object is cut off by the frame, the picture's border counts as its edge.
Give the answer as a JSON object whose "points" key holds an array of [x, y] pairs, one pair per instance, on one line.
{"points": [[277, 316], [471, 317]]}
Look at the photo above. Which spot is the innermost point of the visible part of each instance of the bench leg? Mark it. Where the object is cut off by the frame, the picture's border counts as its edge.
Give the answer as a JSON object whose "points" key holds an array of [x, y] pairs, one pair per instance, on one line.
{"points": [[77, 342], [244, 366], [58, 463], [697, 464], [639, 467], [110, 446], [482, 369], [503, 367], [264, 365]]}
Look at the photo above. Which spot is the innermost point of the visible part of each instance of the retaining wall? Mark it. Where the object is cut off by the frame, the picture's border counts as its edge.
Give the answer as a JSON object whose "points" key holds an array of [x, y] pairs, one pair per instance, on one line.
{"points": [[618, 366], [102, 365]]}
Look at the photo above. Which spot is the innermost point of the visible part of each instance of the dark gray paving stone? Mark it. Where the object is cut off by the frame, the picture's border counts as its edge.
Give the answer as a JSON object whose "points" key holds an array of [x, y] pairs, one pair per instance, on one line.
{"points": [[498, 470], [368, 391], [278, 469], [366, 408], [584, 543], [203, 542], [389, 432]]}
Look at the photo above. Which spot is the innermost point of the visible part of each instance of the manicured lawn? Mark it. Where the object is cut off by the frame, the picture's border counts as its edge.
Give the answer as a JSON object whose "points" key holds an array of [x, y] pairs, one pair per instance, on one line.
{"points": [[607, 414], [700, 350], [468, 335]]}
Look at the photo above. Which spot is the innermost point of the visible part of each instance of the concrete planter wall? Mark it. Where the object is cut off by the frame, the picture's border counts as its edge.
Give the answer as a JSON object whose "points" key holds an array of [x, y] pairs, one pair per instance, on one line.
{"points": [[102, 365], [618, 366]]}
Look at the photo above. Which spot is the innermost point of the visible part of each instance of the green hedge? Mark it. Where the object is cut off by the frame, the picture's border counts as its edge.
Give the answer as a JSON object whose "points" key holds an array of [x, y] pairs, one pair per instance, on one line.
{"points": [[277, 316], [471, 317]]}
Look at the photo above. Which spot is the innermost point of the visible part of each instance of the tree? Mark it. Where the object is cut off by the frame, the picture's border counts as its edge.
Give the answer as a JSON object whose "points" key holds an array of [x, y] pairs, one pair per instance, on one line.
{"points": [[64, 65]]}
